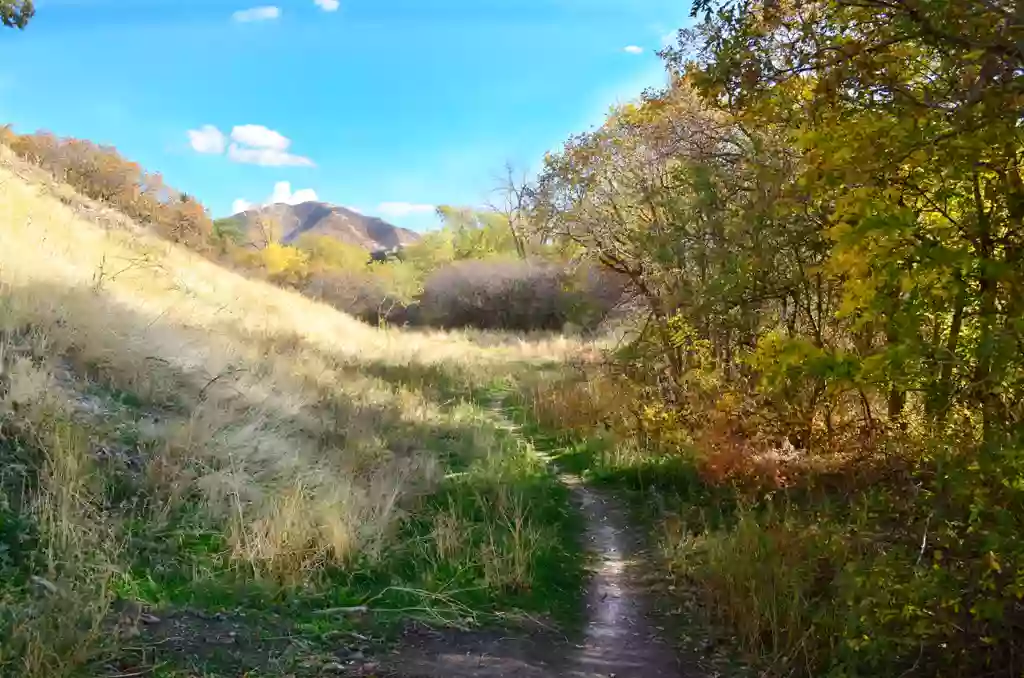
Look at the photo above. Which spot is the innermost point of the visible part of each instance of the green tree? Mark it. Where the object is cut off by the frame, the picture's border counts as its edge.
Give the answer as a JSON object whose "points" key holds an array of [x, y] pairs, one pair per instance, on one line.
{"points": [[16, 13], [906, 117], [327, 253], [228, 230], [477, 234], [680, 201]]}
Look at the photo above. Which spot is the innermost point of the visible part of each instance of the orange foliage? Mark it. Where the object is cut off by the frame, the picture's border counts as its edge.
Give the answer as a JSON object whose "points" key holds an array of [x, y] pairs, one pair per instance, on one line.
{"points": [[101, 173]]}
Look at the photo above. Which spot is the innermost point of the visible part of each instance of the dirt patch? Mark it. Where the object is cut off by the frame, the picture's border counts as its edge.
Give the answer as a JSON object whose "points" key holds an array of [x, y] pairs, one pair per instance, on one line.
{"points": [[426, 653], [233, 644]]}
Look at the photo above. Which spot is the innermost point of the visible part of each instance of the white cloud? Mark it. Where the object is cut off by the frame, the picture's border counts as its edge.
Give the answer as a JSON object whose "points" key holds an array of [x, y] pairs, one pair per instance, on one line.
{"points": [[633, 49], [327, 5], [207, 139], [250, 145], [257, 14], [240, 205], [401, 209], [259, 145], [266, 157], [282, 193], [258, 136]]}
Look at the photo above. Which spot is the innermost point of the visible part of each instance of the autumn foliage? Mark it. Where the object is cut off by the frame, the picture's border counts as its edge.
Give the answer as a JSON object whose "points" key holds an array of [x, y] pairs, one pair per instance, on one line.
{"points": [[821, 220], [101, 173]]}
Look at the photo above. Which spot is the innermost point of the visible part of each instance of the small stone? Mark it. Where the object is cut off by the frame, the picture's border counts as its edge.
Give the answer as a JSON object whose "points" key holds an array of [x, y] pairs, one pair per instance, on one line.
{"points": [[147, 618], [333, 667]]}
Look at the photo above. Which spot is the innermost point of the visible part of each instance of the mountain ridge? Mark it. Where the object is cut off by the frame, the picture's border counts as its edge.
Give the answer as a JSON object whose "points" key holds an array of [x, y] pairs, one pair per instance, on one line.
{"points": [[291, 222]]}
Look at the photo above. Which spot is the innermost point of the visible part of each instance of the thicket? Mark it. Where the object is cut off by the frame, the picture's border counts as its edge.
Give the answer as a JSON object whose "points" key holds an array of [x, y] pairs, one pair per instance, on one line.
{"points": [[821, 219], [100, 172]]}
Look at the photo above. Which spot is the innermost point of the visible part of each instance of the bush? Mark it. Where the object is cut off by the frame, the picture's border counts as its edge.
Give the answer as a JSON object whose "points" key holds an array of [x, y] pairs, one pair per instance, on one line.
{"points": [[497, 294], [596, 294], [100, 173], [913, 577], [362, 295]]}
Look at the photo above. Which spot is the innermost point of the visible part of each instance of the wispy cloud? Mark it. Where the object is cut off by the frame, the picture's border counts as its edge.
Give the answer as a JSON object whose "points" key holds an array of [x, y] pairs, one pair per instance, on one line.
{"points": [[266, 157], [266, 13], [249, 145], [207, 139], [402, 209], [633, 49], [259, 136], [327, 5], [282, 193]]}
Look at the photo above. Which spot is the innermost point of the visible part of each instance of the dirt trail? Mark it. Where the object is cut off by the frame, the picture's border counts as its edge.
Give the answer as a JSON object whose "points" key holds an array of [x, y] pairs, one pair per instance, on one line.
{"points": [[619, 639]]}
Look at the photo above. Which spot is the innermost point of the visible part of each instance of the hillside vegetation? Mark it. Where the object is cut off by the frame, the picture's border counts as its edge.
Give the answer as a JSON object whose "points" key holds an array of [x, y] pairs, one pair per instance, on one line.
{"points": [[441, 280], [173, 433], [813, 243], [823, 217]]}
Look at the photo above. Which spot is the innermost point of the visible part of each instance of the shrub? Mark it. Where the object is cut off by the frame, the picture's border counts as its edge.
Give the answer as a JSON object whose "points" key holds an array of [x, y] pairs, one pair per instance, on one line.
{"points": [[102, 174], [497, 294], [596, 292], [360, 294]]}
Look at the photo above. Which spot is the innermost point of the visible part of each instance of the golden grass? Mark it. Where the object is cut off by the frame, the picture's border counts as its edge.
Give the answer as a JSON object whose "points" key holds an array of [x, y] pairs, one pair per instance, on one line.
{"points": [[260, 377]]}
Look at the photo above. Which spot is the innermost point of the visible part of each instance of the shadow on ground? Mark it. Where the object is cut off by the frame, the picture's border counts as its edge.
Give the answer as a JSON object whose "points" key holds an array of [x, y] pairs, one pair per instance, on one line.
{"points": [[207, 616]]}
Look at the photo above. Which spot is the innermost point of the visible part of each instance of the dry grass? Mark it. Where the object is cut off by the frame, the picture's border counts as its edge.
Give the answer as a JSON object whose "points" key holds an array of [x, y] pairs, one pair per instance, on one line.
{"points": [[272, 411]]}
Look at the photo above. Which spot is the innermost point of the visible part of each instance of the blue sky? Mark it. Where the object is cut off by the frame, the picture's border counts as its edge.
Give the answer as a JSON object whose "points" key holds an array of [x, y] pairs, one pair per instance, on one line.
{"points": [[388, 106]]}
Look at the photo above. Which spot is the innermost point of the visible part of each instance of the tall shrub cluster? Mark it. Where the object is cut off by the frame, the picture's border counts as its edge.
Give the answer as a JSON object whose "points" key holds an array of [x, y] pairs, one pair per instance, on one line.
{"points": [[823, 220], [102, 174]]}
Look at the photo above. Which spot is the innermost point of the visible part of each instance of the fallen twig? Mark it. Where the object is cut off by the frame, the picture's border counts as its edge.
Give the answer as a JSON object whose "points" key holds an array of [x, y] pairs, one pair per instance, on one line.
{"points": [[355, 609]]}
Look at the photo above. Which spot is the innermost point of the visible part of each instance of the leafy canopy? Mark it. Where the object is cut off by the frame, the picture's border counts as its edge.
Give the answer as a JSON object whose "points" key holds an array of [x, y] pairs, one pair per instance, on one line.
{"points": [[16, 13]]}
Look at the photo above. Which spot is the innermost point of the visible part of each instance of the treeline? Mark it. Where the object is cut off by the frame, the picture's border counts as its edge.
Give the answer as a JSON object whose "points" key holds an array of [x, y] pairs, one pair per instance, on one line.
{"points": [[822, 218], [476, 271]]}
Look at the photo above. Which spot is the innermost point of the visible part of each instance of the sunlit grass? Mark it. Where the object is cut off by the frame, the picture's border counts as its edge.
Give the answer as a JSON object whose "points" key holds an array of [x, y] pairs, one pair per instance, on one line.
{"points": [[230, 431]]}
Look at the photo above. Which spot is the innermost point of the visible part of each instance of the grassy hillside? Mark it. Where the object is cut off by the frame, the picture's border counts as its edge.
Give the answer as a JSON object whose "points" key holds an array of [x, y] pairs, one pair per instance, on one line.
{"points": [[172, 433]]}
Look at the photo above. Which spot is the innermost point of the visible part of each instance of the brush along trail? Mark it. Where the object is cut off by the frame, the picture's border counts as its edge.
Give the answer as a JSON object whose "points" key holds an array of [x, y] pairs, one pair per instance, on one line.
{"points": [[618, 638]]}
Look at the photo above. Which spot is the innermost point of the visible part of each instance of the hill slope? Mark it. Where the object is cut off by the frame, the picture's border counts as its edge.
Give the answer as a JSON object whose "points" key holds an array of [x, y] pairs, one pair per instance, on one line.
{"points": [[318, 218], [172, 432]]}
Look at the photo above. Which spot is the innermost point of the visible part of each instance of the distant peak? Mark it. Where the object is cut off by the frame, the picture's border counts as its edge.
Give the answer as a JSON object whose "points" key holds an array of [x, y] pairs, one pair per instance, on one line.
{"points": [[316, 217]]}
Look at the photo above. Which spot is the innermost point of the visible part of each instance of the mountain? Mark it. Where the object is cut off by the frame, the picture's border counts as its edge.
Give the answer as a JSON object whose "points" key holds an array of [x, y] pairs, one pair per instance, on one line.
{"points": [[290, 222]]}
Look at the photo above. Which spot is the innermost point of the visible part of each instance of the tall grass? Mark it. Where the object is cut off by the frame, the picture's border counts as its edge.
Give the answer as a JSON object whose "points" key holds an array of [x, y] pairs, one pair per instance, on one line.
{"points": [[187, 425], [897, 556], [57, 547]]}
